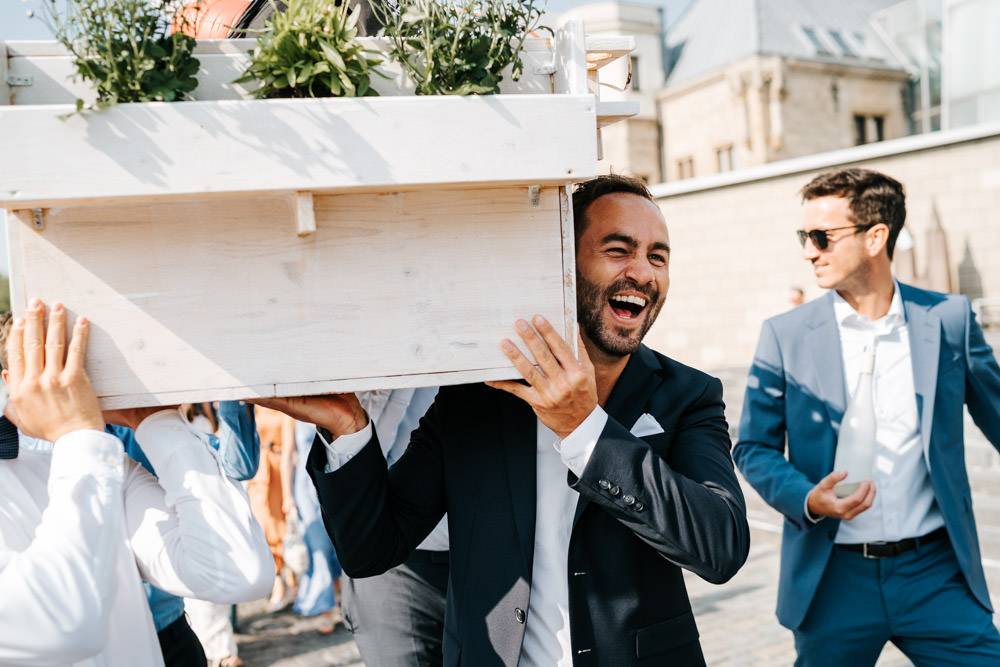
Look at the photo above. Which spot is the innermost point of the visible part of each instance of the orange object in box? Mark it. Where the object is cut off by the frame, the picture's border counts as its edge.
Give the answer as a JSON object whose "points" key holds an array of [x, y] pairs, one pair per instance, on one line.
{"points": [[209, 19]]}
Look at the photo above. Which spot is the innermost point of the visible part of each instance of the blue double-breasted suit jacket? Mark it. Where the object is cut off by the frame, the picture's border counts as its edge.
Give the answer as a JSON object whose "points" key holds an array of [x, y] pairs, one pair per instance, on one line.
{"points": [[794, 403]]}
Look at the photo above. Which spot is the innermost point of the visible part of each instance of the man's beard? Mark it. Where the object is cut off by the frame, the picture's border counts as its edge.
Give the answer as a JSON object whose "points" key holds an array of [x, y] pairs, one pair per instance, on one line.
{"points": [[590, 303]]}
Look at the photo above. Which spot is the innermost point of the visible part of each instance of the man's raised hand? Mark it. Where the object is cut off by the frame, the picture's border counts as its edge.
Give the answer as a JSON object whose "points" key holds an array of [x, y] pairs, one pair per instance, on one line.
{"points": [[50, 394], [562, 390]]}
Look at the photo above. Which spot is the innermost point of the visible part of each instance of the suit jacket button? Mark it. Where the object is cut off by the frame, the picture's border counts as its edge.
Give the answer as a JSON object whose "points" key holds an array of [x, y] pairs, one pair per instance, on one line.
{"points": [[614, 490], [604, 484], [831, 534], [638, 507], [519, 615], [628, 499]]}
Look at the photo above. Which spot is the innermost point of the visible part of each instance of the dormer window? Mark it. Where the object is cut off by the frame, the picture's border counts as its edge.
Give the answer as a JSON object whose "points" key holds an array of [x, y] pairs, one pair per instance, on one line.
{"points": [[817, 44]]}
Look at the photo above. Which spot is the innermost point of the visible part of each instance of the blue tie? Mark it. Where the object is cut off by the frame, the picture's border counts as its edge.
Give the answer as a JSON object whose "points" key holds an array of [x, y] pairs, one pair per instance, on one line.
{"points": [[8, 439]]}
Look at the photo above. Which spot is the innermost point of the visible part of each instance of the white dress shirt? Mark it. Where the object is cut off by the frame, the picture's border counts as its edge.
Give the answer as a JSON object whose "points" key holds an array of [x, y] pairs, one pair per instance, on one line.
{"points": [[81, 526], [904, 503], [547, 633]]}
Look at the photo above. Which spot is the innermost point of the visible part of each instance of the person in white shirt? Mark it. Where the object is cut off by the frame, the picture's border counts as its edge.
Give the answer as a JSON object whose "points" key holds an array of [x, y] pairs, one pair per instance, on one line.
{"points": [[82, 525], [574, 499], [898, 559]]}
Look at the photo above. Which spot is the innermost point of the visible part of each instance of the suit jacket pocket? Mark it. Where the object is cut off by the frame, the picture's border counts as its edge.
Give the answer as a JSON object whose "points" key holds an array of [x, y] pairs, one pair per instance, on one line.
{"points": [[659, 442], [665, 635]]}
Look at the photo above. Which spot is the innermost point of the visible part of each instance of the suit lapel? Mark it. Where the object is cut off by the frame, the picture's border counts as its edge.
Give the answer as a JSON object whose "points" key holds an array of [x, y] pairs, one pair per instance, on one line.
{"points": [[925, 352], [638, 381], [519, 427]]}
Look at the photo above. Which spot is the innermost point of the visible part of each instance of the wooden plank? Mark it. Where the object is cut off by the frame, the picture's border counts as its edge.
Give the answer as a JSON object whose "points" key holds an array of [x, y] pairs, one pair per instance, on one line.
{"points": [[4, 88], [222, 61], [305, 216], [570, 60], [211, 299], [198, 148], [614, 111], [603, 51], [569, 266]]}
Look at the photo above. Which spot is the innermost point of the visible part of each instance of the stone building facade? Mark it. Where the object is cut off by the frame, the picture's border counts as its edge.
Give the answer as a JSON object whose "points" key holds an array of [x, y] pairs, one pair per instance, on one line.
{"points": [[734, 254]]}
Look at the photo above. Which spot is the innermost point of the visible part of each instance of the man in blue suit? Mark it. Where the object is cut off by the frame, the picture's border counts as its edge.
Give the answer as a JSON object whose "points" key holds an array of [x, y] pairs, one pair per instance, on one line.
{"points": [[898, 559]]}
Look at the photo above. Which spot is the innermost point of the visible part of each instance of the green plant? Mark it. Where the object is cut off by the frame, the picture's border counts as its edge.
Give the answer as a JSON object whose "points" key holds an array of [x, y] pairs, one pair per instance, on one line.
{"points": [[311, 50], [125, 49], [458, 48]]}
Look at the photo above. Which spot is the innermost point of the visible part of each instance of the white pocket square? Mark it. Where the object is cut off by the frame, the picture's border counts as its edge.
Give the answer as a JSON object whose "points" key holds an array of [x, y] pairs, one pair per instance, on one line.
{"points": [[646, 425]]}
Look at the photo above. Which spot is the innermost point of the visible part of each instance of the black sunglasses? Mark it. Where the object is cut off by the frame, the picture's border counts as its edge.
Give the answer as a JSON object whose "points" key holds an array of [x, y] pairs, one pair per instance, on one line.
{"points": [[820, 237]]}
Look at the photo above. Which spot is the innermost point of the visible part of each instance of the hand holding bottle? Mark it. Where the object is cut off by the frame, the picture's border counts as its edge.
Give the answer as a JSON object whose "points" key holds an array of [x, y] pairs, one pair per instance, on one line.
{"points": [[823, 501]]}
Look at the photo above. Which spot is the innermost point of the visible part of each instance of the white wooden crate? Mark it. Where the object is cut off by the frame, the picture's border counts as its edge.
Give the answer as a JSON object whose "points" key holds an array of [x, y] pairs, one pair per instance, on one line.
{"points": [[228, 248]]}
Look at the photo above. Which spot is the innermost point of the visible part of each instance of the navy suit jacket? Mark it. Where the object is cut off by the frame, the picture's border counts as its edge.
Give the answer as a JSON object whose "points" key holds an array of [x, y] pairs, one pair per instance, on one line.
{"points": [[648, 507], [796, 392]]}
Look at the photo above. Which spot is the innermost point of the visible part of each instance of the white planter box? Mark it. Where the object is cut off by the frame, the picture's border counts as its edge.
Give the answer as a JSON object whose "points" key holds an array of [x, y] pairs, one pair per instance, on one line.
{"points": [[234, 248]]}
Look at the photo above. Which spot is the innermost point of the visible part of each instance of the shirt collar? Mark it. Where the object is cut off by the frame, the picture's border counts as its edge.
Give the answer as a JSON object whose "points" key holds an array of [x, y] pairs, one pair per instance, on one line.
{"points": [[848, 317]]}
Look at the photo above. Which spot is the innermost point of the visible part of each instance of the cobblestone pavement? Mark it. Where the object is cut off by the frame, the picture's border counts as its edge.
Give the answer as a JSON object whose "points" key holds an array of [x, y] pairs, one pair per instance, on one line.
{"points": [[285, 639]]}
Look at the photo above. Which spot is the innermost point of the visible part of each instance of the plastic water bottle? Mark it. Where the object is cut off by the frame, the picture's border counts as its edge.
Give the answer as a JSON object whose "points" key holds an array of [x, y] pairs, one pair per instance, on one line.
{"points": [[856, 440]]}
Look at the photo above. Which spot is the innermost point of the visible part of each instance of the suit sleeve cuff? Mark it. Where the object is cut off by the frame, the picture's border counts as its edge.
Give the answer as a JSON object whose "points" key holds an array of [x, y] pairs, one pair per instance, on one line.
{"points": [[812, 520], [577, 447], [345, 447]]}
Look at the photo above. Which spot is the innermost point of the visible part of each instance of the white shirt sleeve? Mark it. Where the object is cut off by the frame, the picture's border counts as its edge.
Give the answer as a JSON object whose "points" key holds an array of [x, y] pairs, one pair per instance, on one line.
{"points": [[191, 530], [345, 447], [577, 447], [58, 591]]}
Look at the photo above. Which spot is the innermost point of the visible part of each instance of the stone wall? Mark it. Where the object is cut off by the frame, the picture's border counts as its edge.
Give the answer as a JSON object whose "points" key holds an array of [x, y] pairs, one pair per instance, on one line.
{"points": [[735, 256], [771, 109]]}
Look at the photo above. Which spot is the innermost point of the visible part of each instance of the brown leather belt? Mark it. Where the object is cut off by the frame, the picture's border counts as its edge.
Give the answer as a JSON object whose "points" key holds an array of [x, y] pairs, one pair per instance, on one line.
{"points": [[893, 549]]}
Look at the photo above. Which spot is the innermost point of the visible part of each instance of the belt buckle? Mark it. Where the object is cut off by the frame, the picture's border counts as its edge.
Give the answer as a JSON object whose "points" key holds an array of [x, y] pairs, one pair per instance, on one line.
{"points": [[864, 549]]}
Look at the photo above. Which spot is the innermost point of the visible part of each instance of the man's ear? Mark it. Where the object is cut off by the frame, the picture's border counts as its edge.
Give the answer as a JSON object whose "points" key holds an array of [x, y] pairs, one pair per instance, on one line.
{"points": [[3, 374], [877, 238]]}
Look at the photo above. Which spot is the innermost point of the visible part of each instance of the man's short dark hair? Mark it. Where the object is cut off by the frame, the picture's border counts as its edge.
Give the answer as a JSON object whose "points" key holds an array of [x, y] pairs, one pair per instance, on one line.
{"points": [[871, 196], [587, 192], [6, 322]]}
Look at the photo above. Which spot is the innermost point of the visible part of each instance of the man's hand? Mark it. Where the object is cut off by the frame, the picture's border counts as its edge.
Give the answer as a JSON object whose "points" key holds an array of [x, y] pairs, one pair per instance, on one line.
{"points": [[50, 394], [132, 417], [822, 501], [340, 414], [564, 392]]}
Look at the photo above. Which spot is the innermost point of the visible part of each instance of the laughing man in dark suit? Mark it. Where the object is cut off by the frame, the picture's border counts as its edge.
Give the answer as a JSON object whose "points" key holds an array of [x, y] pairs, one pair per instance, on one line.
{"points": [[574, 499]]}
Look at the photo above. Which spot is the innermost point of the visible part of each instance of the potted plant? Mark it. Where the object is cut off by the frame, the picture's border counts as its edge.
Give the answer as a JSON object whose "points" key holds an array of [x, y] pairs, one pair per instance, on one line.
{"points": [[452, 48], [311, 50], [126, 49]]}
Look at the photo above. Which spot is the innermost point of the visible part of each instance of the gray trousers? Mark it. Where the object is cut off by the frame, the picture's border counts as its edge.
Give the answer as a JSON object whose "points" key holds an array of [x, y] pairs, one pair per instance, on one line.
{"points": [[397, 618]]}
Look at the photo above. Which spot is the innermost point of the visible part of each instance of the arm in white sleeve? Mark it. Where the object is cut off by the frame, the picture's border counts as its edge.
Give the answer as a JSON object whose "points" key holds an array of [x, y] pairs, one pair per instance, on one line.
{"points": [[576, 448], [58, 587], [192, 531], [345, 447]]}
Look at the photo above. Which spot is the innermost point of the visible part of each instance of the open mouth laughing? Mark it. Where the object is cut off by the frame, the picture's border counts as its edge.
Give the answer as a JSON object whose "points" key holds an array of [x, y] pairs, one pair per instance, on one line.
{"points": [[627, 306]]}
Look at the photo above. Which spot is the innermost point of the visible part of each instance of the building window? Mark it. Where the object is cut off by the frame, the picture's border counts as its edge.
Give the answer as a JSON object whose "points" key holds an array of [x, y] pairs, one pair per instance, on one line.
{"points": [[633, 73], [868, 128], [726, 158], [685, 167], [841, 42], [818, 46]]}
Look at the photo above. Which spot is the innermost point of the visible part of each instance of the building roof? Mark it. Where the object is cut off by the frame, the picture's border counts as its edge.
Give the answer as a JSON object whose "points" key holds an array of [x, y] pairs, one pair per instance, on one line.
{"points": [[714, 33]]}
